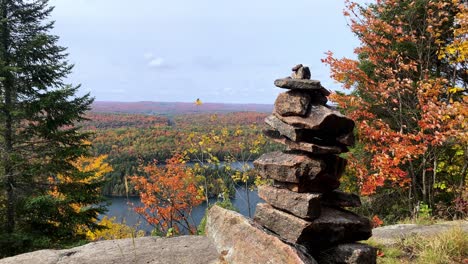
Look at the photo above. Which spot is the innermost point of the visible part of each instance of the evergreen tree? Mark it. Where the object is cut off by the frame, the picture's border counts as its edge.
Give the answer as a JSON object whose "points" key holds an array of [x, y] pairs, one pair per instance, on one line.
{"points": [[38, 137]]}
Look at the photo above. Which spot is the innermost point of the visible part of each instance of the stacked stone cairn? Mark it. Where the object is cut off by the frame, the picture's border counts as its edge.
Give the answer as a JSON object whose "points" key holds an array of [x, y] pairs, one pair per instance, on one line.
{"points": [[303, 206]]}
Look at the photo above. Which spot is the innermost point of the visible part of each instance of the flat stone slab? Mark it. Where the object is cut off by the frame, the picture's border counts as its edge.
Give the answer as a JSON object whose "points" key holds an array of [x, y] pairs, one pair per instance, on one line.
{"points": [[319, 138], [239, 240], [303, 146], [292, 103], [154, 250], [301, 84], [306, 188], [288, 167], [306, 205], [328, 123], [352, 253], [322, 183], [303, 205], [333, 227], [340, 199], [287, 226], [284, 129], [299, 172]]}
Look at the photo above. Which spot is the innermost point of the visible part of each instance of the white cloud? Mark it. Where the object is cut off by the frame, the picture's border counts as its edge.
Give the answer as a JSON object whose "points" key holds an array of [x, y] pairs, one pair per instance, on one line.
{"points": [[153, 61], [156, 63]]}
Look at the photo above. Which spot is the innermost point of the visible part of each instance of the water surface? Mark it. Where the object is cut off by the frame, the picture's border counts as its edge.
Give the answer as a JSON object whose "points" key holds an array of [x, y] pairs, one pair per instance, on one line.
{"points": [[124, 213]]}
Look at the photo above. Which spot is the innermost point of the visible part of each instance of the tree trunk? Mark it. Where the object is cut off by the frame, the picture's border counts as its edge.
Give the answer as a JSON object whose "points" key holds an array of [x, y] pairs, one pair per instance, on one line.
{"points": [[464, 170], [8, 125], [424, 180], [248, 198], [207, 197], [434, 180], [9, 181]]}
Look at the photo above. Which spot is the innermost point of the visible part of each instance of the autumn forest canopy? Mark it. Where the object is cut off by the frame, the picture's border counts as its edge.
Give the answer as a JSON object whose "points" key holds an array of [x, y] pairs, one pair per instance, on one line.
{"points": [[59, 157], [129, 140]]}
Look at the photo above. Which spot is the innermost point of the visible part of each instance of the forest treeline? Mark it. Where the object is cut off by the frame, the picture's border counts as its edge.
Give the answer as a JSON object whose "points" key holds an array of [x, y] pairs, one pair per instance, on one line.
{"points": [[130, 140]]}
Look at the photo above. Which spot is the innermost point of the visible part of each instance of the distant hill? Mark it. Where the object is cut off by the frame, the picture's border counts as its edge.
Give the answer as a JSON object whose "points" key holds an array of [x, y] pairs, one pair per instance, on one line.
{"points": [[174, 108]]}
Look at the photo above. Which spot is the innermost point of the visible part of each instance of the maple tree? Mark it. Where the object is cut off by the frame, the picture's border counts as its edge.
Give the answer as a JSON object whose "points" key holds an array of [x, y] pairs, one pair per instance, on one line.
{"points": [[168, 195], [409, 92]]}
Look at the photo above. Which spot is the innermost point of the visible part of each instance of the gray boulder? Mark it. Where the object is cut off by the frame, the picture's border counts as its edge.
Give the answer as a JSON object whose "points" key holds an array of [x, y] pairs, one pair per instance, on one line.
{"points": [[151, 250], [238, 240], [390, 235]]}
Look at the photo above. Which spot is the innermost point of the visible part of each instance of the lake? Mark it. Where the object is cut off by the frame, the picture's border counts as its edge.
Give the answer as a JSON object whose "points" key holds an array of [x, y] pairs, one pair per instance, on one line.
{"points": [[123, 212], [237, 165]]}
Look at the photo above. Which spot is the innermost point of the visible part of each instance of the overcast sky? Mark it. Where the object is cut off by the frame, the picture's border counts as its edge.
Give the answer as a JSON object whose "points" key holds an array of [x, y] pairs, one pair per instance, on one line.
{"points": [[215, 50]]}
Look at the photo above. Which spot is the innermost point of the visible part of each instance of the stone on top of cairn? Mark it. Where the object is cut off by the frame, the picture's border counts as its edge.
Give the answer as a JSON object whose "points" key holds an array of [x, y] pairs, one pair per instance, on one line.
{"points": [[300, 72]]}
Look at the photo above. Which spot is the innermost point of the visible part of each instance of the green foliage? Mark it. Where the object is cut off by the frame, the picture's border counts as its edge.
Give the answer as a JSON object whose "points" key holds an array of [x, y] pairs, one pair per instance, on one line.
{"points": [[227, 204], [424, 212], [38, 139]]}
